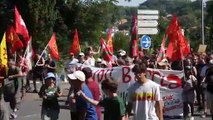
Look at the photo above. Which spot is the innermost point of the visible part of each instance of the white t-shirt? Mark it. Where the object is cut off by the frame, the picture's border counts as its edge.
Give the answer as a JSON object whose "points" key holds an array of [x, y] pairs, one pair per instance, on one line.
{"points": [[143, 97], [90, 62]]}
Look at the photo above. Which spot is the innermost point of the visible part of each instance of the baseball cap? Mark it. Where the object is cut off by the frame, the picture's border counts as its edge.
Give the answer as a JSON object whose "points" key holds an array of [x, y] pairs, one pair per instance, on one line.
{"points": [[77, 75], [81, 54], [98, 60], [49, 75]]}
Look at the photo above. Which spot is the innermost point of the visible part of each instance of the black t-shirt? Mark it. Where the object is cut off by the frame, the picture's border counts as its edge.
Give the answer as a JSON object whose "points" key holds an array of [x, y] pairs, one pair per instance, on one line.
{"points": [[52, 101], [51, 64]]}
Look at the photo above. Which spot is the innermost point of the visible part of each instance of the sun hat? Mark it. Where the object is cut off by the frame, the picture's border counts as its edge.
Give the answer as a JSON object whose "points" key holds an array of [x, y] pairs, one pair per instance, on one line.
{"points": [[77, 75], [50, 75]]}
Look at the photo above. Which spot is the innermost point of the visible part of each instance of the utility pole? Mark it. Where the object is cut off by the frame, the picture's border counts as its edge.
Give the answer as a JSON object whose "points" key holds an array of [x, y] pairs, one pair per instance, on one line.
{"points": [[202, 21]]}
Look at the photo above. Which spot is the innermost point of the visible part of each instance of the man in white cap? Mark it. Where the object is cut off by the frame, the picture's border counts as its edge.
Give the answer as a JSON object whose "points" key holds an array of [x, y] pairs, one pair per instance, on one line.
{"points": [[85, 110]]}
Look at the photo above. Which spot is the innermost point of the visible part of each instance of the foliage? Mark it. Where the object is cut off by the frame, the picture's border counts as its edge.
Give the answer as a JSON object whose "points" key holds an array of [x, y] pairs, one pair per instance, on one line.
{"points": [[121, 41]]}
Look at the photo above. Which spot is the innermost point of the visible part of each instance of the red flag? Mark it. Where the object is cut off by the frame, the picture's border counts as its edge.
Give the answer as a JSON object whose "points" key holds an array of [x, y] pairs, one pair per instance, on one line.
{"points": [[178, 46], [75, 46], [20, 27], [134, 43], [13, 39], [53, 47], [162, 54], [109, 42], [106, 54]]}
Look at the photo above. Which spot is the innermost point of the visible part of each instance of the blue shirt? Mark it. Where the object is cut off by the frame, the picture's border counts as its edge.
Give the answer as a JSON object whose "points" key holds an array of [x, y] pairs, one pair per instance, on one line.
{"points": [[83, 104]]}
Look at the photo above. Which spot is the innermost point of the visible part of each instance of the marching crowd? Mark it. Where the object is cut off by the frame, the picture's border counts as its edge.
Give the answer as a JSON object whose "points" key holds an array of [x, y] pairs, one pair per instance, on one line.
{"points": [[85, 97]]}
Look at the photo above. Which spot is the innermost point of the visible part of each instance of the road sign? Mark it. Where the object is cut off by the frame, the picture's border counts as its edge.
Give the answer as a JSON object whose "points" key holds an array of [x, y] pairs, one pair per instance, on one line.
{"points": [[147, 23], [148, 17], [148, 12], [145, 42], [147, 31]]}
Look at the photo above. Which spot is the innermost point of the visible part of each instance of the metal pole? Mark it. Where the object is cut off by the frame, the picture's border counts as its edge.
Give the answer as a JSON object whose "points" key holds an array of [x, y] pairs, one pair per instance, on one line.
{"points": [[202, 21]]}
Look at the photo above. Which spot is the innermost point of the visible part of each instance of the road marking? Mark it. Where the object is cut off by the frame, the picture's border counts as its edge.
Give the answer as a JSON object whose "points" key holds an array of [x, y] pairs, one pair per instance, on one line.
{"points": [[32, 115]]}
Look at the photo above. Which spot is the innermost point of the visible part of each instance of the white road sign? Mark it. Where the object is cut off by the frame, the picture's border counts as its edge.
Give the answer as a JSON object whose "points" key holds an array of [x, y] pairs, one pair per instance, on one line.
{"points": [[147, 23], [148, 12], [147, 31], [148, 17]]}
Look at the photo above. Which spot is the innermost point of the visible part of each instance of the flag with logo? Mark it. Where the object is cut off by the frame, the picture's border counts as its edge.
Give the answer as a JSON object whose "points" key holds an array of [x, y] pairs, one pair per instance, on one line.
{"points": [[109, 41], [53, 47], [3, 53], [20, 27], [162, 54], [75, 46], [106, 54], [133, 42], [13, 39], [29, 54], [178, 46]]}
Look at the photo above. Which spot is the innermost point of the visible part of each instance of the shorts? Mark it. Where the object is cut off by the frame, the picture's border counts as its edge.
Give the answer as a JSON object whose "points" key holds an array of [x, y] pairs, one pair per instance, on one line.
{"points": [[49, 114], [189, 97], [37, 75]]}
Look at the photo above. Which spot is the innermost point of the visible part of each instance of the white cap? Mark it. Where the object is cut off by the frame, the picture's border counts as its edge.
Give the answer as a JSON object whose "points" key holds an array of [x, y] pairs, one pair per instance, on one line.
{"points": [[98, 60], [81, 54], [50, 75], [211, 61], [122, 52], [104, 62], [79, 75]]}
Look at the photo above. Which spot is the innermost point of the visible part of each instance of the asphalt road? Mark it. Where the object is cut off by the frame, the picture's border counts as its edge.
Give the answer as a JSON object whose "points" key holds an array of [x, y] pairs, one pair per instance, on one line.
{"points": [[31, 107]]}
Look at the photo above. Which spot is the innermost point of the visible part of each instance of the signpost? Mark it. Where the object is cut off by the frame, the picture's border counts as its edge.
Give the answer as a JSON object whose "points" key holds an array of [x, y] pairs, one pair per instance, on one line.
{"points": [[145, 42], [147, 31], [147, 22]]}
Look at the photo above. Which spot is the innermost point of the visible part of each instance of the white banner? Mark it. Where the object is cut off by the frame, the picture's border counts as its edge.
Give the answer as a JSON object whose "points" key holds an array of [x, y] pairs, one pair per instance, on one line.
{"points": [[170, 81]]}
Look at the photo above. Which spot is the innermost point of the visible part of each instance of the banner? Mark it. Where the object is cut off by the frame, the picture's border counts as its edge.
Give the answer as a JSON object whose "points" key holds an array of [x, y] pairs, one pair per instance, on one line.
{"points": [[169, 80]]}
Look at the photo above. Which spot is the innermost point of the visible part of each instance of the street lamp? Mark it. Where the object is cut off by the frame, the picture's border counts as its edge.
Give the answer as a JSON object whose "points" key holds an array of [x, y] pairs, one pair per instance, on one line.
{"points": [[202, 21]]}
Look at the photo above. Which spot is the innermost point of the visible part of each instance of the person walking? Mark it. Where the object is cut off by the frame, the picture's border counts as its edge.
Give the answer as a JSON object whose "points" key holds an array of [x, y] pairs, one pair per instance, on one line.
{"points": [[144, 96], [4, 113], [188, 93], [50, 93], [12, 89], [94, 88], [84, 109], [114, 108]]}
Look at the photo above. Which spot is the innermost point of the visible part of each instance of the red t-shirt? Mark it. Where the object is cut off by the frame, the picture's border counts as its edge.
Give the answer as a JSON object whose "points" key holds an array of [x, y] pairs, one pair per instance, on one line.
{"points": [[94, 88]]}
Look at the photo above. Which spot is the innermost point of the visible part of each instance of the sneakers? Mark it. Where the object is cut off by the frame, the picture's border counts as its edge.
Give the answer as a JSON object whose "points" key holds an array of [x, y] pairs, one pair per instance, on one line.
{"points": [[189, 118], [13, 116], [35, 91], [203, 115]]}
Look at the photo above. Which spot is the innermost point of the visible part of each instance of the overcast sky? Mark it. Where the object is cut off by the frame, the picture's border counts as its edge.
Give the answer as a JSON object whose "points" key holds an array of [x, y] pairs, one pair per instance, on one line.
{"points": [[132, 3]]}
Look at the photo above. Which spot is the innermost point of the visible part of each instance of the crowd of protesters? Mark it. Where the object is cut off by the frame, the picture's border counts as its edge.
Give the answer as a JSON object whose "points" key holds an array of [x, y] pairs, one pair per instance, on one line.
{"points": [[85, 97]]}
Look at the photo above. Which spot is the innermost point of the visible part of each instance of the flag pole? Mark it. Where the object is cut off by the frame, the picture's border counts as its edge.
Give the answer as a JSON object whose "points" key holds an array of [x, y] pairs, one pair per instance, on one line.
{"points": [[25, 52], [41, 54]]}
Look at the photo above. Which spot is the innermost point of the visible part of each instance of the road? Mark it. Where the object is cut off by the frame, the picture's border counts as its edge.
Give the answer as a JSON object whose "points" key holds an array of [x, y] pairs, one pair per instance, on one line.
{"points": [[31, 107]]}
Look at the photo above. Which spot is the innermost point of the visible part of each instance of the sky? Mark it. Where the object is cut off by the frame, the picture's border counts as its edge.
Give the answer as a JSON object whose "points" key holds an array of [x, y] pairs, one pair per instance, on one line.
{"points": [[132, 3]]}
